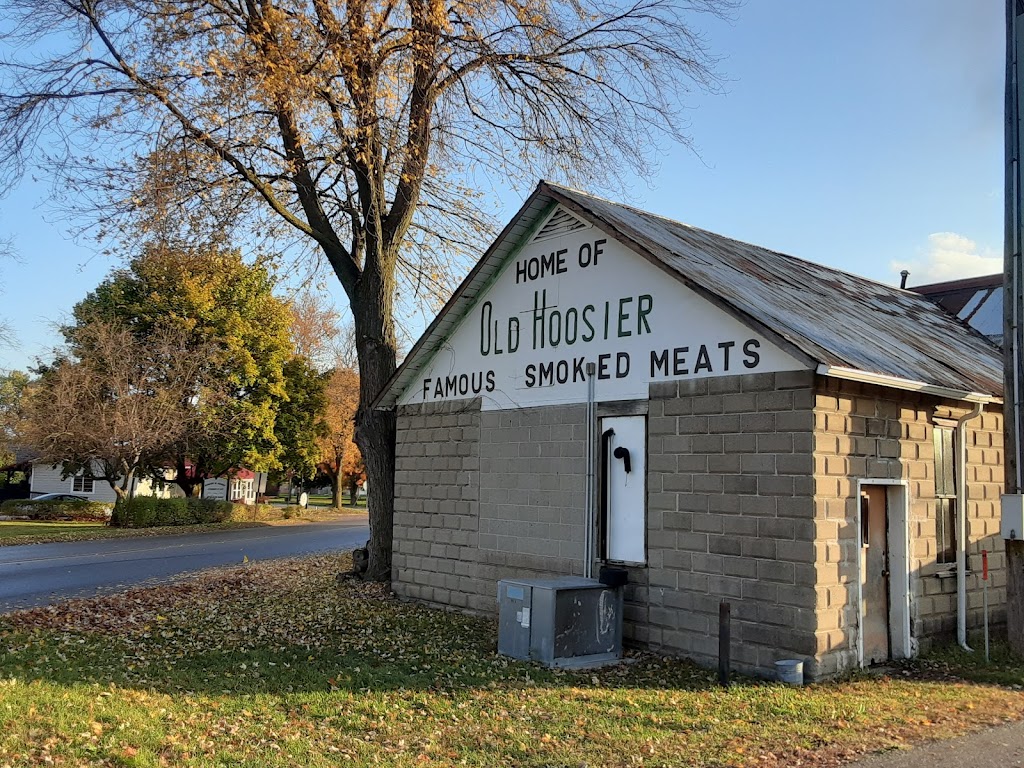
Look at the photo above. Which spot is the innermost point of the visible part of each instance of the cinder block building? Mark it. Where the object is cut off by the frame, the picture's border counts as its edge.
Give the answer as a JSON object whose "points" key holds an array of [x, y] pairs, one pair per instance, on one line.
{"points": [[725, 422]]}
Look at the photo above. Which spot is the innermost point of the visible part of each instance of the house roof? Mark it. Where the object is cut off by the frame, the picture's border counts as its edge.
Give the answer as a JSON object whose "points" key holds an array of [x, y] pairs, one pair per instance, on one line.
{"points": [[842, 324], [977, 301], [23, 459]]}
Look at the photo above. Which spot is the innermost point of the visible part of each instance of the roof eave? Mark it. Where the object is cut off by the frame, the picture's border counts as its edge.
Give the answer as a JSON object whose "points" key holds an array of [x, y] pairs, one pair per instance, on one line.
{"points": [[894, 382]]}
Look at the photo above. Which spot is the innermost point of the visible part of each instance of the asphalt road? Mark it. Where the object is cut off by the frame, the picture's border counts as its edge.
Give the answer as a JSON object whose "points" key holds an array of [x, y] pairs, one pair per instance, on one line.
{"points": [[1001, 747], [40, 574]]}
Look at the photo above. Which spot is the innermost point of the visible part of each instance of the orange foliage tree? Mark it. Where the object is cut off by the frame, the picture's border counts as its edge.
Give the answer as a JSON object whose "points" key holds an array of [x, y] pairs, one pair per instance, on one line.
{"points": [[340, 458]]}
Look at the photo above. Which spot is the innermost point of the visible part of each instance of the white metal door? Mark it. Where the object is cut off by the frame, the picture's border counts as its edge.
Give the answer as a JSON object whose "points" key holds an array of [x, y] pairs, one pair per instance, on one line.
{"points": [[625, 468]]}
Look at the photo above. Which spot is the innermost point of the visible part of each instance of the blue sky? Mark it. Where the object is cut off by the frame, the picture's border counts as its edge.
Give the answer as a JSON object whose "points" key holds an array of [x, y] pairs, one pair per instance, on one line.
{"points": [[867, 136]]}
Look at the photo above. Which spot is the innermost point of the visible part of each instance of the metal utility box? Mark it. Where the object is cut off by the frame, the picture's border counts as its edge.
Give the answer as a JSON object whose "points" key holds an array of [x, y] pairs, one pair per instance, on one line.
{"points": [[567, 621], [1012, 526]]}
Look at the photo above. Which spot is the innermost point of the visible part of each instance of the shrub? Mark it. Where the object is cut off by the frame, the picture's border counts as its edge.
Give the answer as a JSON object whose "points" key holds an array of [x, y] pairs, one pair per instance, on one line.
{"points": [[259, 513], [149, 511], [57, 510], [210, 510]]}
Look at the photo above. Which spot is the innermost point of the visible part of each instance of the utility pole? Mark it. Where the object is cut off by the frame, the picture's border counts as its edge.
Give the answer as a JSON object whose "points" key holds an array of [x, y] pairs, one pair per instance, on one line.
{"points": [[1013, 331]]}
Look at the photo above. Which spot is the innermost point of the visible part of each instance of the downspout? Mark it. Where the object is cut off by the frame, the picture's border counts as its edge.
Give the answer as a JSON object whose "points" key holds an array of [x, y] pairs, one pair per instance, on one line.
{"points": [[589, 518], [961, 526]]}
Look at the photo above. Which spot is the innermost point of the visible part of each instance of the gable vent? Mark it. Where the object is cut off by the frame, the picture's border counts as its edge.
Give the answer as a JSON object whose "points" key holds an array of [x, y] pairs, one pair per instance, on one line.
{"points": [[561, 223]]}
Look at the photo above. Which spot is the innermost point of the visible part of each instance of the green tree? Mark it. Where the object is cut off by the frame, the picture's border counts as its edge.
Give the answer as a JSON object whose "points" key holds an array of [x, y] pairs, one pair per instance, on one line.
{"points": [[301, 419], [352, 126], [209, 295]]}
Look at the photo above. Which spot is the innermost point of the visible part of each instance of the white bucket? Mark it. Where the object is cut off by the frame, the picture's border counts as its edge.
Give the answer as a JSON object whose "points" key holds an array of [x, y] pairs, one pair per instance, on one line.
{"points": [[790, 671]]}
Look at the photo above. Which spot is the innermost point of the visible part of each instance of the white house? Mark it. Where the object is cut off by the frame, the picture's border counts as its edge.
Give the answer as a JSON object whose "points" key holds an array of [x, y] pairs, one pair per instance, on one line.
{"points": [[48, 479]]}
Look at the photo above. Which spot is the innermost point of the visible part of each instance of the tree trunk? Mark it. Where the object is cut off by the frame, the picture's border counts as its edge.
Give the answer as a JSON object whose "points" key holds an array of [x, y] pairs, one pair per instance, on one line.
{"points": [[336, 489], [121, 498], [377, 442], [187, 484], [375, 430]]}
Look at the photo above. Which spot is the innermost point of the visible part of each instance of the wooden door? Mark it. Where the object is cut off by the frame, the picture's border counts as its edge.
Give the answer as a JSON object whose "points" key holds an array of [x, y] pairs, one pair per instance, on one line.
{"points": [[874, 575]]}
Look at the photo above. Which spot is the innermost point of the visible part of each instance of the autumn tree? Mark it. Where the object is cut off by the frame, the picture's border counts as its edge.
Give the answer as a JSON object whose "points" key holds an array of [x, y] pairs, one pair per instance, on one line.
{"points": [[116, 405], [340, 459], [315, 330], [208, 295], [13, 386], [354, 126]]}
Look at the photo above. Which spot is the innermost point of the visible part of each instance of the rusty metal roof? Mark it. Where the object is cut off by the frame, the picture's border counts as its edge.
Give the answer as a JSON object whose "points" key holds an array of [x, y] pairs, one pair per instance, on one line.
{"points": [[825, 316]]}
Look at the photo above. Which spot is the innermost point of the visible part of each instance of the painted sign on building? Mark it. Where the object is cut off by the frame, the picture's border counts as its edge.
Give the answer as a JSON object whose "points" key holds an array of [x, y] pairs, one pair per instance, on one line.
{"points": [[582, 298]]}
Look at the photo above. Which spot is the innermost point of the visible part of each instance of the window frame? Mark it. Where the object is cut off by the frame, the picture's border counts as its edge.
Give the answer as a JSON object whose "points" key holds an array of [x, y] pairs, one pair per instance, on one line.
{"points": [[87, 481], [946, 480]]}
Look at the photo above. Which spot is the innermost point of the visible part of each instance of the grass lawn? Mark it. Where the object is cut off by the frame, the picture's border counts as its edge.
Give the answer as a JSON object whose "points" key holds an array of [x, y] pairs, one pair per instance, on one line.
{"points": [[316, 501], [276, 664], [22, 532], [19, 532], [15, 529]]}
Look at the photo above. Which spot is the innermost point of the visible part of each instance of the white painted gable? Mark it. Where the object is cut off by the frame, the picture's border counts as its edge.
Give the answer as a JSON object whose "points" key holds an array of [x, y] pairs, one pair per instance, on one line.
{"points": [[573, 295]]}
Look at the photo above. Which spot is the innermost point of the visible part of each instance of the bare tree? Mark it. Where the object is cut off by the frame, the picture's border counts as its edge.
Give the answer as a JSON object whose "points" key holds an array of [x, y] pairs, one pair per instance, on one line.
{"points": [[316, 330], [7, 338], [356, 126], [120, 406]]}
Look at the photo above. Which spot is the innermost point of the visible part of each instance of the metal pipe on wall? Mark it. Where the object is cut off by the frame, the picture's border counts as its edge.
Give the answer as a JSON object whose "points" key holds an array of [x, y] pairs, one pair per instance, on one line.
{"points": [[589, 520], [961, 526]]}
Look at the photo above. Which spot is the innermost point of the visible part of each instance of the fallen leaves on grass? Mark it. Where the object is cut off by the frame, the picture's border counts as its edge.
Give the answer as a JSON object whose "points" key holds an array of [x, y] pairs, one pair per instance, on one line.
{"points": [[277, 663]]}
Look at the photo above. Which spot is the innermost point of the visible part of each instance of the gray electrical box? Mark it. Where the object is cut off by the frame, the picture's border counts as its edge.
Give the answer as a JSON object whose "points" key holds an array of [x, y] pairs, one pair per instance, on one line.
{"points": [[1012, 516], [567, 621]]}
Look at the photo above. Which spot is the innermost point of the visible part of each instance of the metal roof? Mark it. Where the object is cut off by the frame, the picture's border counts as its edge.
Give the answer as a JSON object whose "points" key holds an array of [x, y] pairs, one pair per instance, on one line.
{"points": [[827, 317], [978, 301]]}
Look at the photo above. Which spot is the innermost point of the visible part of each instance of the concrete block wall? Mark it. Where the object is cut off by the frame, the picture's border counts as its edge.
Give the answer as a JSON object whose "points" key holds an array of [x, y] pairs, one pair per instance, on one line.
{"points": [[437, 488], [731, 517], [752, 499], [864, 431], [482, 496], [532, 487]]}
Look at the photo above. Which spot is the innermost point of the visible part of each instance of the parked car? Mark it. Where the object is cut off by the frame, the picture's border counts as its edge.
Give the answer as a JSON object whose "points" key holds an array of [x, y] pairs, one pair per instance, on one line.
{"points": [[58, 497]]}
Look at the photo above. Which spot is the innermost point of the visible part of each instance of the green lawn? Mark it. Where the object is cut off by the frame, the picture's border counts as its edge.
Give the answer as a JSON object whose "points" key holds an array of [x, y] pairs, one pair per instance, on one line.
{"points": [[20, 532], [322, 501], [23, 532], [277, 664], [15, 529]]}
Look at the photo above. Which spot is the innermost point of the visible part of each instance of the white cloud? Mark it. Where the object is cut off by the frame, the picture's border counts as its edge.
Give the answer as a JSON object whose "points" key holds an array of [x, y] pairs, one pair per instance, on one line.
{"points": [[950, 256]]}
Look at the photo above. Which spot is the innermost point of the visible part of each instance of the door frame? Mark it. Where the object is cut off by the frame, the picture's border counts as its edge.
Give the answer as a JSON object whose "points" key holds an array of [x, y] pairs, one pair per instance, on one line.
{"points": [[613, 409], [897, 501]]}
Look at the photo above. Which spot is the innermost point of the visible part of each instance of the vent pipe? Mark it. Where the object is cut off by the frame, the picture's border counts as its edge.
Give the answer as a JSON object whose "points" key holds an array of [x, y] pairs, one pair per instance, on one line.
{"points": [[904, 274]]}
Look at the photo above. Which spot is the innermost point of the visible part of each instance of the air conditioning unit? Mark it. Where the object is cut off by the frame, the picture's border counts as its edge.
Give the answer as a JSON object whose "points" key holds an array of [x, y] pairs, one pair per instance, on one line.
{"points": [[567, 621]]}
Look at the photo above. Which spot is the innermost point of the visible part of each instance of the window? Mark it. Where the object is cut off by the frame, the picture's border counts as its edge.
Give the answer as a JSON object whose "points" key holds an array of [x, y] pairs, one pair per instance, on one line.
{"points": [[241, 490], [81, 484], [945, 492]]}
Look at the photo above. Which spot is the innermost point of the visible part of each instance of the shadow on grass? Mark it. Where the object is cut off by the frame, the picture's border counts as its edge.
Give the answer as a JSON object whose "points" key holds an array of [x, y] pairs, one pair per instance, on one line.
{"points": [[379, 646]]}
